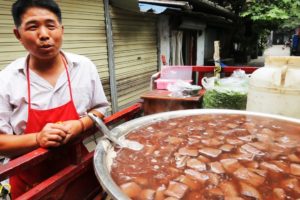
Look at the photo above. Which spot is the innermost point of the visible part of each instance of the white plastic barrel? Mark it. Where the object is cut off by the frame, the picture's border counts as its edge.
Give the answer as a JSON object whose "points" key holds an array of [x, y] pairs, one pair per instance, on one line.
{"points": [[275, 88]]}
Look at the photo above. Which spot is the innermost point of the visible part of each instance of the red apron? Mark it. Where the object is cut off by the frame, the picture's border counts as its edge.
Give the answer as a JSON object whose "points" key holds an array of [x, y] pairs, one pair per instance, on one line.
{"points": [[37, 119]]}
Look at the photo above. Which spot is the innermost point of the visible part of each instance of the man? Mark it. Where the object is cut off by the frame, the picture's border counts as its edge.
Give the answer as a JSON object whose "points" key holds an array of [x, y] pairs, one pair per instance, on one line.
{"points": [[295, 49], [44, 97]]}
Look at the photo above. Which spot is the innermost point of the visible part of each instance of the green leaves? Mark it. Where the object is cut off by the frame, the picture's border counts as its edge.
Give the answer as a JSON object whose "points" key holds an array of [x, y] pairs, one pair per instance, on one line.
{"points": [[225, 99], [276, 11]]}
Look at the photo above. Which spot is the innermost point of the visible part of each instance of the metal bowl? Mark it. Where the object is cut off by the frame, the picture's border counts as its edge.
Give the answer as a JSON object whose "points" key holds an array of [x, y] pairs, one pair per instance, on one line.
{"points": [[104, 149]]}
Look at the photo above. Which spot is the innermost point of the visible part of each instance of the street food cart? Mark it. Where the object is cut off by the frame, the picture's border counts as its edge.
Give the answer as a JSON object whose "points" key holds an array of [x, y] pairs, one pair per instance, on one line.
{"points": [[78, 179]]}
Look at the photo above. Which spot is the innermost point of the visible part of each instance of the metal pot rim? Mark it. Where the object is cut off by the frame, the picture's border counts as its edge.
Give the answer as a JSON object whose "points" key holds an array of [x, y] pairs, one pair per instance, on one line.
{"points": [[103, 147]]}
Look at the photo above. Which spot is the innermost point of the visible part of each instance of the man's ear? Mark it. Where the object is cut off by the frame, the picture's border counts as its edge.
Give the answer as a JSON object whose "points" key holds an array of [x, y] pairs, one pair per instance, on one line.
{"points": [[62, 31], [17, 34]]}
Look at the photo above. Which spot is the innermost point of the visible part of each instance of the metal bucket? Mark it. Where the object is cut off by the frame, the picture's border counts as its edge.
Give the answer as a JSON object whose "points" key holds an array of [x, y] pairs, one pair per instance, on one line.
{"points": [[104, 148]]}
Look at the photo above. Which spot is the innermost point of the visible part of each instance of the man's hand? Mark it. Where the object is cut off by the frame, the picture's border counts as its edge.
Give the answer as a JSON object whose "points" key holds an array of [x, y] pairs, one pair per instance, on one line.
{"points": [[73, 128], [52, 135]]}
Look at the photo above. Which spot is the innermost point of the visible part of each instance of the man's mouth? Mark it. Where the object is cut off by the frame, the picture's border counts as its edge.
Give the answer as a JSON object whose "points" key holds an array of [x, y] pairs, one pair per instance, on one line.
{"points": [[46, 46]]}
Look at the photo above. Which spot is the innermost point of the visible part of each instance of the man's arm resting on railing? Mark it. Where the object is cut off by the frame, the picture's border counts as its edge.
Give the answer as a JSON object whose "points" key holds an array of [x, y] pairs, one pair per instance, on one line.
{"points": [[14, 145], [28, 160], [52, 135]]}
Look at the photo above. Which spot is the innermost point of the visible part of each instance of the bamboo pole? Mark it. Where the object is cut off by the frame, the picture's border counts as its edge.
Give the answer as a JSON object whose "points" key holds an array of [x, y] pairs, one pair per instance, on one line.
{"points": [[217, 60]]}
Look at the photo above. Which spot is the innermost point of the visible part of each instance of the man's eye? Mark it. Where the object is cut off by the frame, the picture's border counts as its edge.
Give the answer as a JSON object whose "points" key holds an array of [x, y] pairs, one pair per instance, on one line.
{"points": [[51, 26], [32, 28]]}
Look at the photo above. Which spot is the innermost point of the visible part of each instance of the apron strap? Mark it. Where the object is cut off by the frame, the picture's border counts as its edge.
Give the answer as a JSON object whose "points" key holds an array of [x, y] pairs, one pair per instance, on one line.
{"points": [[69, 80], [28, 83], [28, 80]]}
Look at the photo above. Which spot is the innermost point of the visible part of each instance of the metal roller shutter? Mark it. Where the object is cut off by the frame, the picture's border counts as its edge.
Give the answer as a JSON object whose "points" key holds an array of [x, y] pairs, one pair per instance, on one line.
{"points": [[135, 51], [84, 34], [9, 45]]}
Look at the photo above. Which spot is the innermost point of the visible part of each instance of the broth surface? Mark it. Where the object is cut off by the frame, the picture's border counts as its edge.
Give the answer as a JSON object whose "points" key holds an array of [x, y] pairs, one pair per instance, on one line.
{"points": [[212, 156]]}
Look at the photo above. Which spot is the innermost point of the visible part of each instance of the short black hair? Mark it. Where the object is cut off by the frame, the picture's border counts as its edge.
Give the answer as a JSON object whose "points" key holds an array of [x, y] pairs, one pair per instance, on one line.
{"points": [[21, 6]]}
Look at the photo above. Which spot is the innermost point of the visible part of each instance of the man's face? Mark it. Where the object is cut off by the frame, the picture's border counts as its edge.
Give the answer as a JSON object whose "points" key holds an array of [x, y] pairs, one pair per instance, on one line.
{"points": [[40, 33]]}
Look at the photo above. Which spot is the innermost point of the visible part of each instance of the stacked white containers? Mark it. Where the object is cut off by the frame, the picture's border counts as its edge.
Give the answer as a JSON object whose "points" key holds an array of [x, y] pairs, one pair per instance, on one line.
{"points": [[275, 88]]}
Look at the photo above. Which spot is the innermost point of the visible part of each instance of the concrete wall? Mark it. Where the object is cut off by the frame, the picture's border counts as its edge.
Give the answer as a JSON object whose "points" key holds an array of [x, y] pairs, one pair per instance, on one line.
{"points": [[205, 41]]}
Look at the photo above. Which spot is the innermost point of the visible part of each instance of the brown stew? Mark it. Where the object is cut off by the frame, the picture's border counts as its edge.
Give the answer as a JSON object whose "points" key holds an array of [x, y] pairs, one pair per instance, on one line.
{"points": [[212, 157]]}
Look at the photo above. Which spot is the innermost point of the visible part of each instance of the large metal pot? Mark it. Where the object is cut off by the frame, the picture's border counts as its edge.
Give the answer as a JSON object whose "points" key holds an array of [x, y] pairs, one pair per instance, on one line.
{"points": [[104, 149]]}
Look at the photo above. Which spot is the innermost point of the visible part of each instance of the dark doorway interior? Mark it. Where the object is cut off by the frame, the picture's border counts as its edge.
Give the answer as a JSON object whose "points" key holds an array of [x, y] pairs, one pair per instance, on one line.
{"points": [[189, 47]]}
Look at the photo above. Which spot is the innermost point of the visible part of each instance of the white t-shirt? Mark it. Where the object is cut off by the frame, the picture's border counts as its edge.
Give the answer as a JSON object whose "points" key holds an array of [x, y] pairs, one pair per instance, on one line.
{"points": [[86, 86]]}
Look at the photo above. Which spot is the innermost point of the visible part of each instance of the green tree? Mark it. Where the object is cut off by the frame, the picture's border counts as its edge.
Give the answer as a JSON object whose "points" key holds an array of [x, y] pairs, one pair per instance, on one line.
{"points": [[273, 13], [256, 18], [267, 13]]}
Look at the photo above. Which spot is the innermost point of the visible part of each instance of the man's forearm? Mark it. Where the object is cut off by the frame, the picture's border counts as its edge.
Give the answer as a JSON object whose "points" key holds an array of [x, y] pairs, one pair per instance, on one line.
{"points": [[15, 145], [87, 121]]}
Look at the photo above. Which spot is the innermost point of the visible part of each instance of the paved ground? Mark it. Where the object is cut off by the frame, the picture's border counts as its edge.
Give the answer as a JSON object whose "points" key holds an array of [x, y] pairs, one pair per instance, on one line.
{"points": [[275, 50]]}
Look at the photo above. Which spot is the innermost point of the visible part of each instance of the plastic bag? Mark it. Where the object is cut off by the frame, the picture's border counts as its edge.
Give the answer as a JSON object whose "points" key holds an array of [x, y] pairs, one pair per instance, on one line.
{"points": [[183, 89], [228, 93]]}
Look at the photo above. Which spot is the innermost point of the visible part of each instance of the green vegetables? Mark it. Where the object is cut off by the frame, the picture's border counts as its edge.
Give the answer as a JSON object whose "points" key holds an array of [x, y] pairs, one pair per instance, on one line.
{"points": [[228, 92], [226, 99]]}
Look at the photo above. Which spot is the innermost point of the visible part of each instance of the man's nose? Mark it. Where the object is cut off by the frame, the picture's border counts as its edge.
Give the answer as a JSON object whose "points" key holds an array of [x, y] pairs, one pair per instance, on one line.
{"points": [[43, 33]]}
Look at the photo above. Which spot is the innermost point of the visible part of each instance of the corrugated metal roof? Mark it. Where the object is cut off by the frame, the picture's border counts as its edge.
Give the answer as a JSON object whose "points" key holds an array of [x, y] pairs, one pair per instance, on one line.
{"points": [[160, 6], [212, 8], [204, 10]]}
